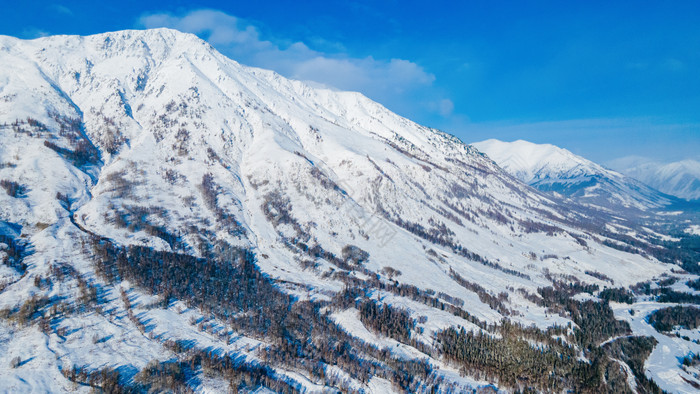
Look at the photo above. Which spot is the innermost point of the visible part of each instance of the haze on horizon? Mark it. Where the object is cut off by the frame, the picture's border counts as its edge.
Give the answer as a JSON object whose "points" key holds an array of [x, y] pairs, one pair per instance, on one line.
{"points": [[604, 81]]}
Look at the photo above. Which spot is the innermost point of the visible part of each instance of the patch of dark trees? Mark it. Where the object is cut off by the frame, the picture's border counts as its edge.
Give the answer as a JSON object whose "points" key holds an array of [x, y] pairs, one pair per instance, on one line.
{"points": [[596, 321], [325, 181], [29, 126], [27, 312], [452, 300], [496, 215], [222, 286], [45, 311], [667, 281], [387, 320], [666, 294], [242, 376], [177, 376], [182, 136], [685, 252], [229, 286], [467, 214], [278, 210], [554, 365], [354, 255], [135, 218], [122, 187], [617, 294], [694, 284], [558, 295], [13, 189], [106, 380], [634, 351], [426, 297], [494, 302], [81, 153], [438, 236], [530, 226], [305, 339], [599, 275], [691, 360], [210, 191], [317, 252], [579, 239], [664, 320], [84, 153], [623, 247], [516, 364], [15, 252]]}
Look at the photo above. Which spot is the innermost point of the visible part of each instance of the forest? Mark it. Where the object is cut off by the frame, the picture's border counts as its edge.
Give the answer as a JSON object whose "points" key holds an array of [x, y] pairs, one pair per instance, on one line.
{"points": [[230, 286], [666, 319], [303, 337]]}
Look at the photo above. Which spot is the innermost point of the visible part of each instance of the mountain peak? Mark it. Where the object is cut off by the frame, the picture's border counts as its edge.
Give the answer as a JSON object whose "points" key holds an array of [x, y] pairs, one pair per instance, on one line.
{"points": [[680, 178], [531, 162], [551, 168], [162, 34]]}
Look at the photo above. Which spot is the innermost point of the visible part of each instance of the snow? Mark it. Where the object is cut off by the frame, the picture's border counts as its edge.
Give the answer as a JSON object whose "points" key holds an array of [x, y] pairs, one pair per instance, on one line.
{"points": [[693, 229]]}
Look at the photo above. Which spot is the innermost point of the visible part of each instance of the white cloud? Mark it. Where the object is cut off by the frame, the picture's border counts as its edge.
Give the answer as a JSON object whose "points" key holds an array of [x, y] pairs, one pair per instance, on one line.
{"points": [[32, 32], [216, 27], [61, 9], [387, 81], [446, 107], [672, 64]]}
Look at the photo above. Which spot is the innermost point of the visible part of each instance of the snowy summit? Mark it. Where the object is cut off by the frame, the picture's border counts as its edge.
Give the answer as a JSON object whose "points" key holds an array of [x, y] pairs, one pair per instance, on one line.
{"points": [[553, 169]]}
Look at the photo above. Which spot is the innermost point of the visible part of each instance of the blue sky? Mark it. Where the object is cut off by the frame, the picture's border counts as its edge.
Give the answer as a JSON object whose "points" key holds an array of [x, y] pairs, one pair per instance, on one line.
{"points": [[603, 79]]}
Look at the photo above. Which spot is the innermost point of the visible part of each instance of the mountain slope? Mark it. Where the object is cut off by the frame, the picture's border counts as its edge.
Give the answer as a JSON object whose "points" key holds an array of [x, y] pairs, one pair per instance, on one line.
{"points": [[168, 209], [553, 169], [680, 179]]}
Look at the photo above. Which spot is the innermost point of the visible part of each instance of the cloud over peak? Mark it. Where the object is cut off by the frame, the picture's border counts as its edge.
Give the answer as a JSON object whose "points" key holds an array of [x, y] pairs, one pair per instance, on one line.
{"points": [[389, 81]]}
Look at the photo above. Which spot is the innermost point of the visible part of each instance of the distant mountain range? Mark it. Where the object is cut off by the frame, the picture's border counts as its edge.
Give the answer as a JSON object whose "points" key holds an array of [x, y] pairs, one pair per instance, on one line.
{"points": [[680, 179], [553, 169]]}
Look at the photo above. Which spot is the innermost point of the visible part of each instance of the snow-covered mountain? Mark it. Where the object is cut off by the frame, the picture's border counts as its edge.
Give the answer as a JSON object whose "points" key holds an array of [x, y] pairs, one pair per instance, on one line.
{"points": [[173, 220], [553, 169], [680, 179]]}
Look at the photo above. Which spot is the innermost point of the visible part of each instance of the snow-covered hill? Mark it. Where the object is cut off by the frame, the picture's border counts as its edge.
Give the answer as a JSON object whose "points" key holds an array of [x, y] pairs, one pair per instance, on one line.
{"points": [[680, 179], [172, 219], [553, 169]]}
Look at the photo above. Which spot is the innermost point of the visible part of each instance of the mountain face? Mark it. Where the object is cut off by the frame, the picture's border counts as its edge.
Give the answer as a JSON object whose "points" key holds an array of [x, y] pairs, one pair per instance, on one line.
{"points": [[553, 169], [173, 220], [680, 179]]}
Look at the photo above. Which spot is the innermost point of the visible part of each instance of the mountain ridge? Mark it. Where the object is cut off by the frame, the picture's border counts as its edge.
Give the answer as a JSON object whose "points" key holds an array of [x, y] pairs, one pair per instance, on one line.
{"points": [[680, 178], [553, 169]]}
